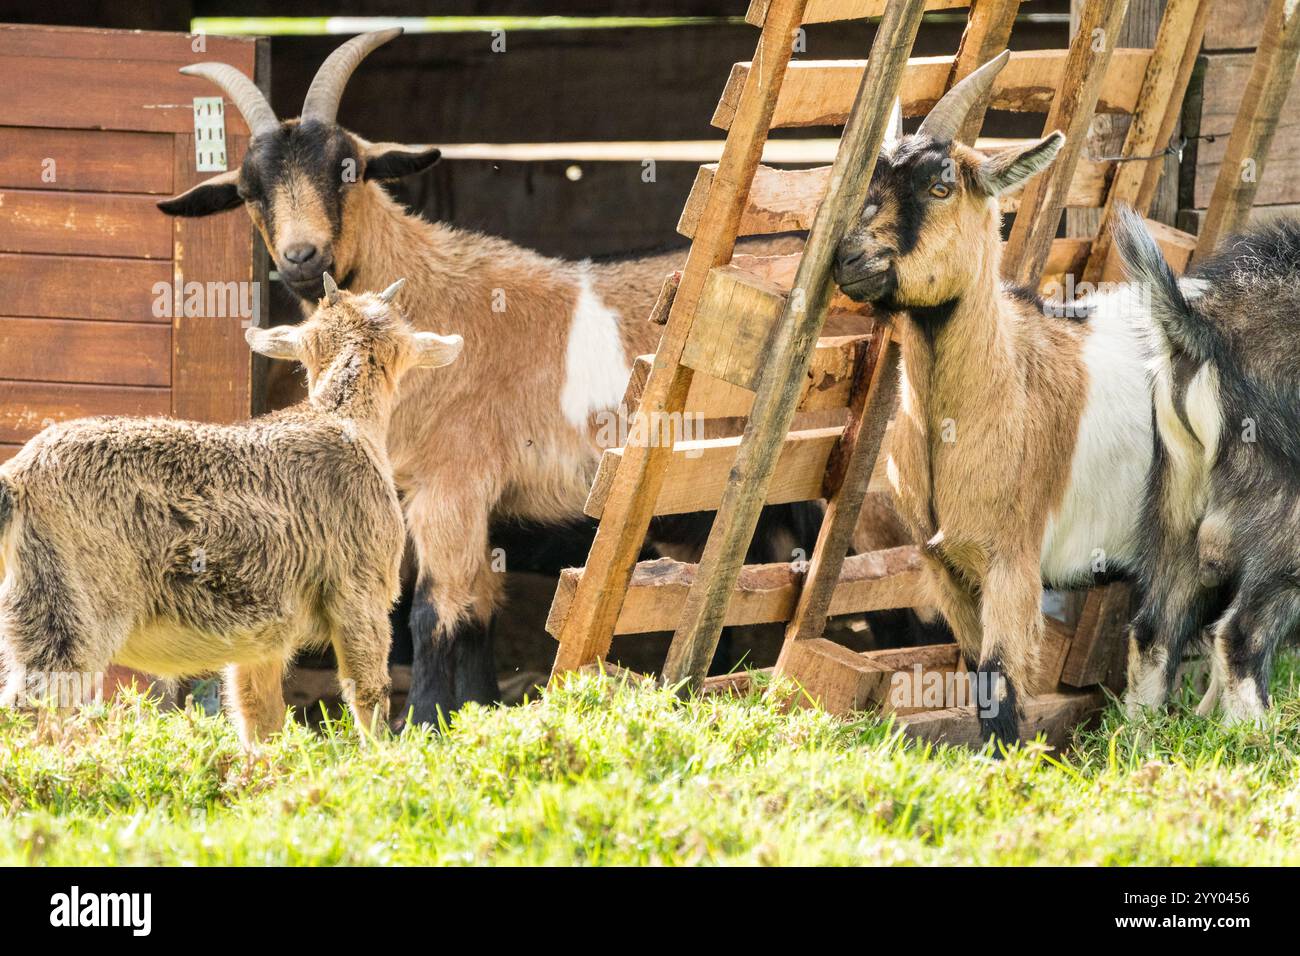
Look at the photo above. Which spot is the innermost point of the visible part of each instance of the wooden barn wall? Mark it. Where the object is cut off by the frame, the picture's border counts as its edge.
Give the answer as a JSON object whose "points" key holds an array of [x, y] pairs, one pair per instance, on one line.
{"points": [[559, 86], [549, 86], [1213, 97]]}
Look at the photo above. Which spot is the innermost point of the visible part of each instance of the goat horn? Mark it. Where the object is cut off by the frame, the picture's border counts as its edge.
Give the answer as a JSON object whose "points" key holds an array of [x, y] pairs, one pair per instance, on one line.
{"points": [[388, 294], [945, 120], [248, 99], [331, 289], [322, 102]]}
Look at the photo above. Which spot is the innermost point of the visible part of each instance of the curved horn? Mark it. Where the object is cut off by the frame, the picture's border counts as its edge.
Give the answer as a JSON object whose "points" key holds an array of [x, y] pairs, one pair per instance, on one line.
{"points": [[388, 294], [945, 120], [331, 289], [322, 102], [248, 99]]}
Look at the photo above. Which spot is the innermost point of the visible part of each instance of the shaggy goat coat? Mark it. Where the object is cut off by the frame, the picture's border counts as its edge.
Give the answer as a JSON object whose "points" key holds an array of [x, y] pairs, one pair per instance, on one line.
{"points": [[179, 548]]}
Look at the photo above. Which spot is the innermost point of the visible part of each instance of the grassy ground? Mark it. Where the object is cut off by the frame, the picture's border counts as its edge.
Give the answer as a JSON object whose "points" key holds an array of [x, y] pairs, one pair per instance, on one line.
{"points": [[605, 773]]}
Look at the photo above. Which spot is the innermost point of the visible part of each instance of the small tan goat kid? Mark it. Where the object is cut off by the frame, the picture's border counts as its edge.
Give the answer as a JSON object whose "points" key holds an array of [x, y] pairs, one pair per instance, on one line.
{"points": [[1023, 438], [180, 548]]}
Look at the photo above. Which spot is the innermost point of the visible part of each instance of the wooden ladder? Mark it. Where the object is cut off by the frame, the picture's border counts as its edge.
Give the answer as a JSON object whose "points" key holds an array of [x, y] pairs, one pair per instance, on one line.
{"points": [[742, 338]]}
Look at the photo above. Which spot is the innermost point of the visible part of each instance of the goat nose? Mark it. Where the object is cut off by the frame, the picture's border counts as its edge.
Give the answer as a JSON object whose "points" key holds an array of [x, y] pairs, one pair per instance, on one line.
{"points": [[300, 253], [850, 256]]}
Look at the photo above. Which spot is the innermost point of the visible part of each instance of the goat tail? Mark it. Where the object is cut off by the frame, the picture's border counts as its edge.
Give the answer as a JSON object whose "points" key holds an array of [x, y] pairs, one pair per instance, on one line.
{"points": [[1179, 326]]}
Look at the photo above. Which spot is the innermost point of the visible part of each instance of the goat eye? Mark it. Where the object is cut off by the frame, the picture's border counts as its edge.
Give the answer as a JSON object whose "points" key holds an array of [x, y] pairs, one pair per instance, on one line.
{"points": [[940, 190]]}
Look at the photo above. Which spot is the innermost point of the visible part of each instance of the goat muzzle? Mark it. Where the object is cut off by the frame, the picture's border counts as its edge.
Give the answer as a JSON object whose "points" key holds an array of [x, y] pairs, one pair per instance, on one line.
{"points": [[863, 278]]}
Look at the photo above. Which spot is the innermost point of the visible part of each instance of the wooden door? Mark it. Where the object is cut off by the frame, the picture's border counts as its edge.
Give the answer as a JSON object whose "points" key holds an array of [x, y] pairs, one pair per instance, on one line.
{"points": [[99, 308]]}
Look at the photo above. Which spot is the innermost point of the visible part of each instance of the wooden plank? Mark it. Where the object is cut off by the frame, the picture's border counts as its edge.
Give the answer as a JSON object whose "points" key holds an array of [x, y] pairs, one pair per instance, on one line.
{"points": [[829, 380], [786, 200], [211, 362], [826, 11], [1223, 84], [733, 324], [1270, 82], [832, 677], [1191, 220], [1098, 648], [765, 593], [85, 160], [28, 407], [987, 33], [77, 93], [589, 626], [698, 472], [107, 289], [95, 353], [920, 679], [933, 657], [7, 451], [847, 478], [845, 317], [89, 224], [1085, 71], [790, 349], [820, 92], [78, 43], [1235, 26], [780, 200], [1056, 716], [1163, 87]]}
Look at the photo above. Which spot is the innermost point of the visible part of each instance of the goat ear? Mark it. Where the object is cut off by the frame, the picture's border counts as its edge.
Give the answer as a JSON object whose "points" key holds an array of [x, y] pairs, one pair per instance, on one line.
{"points": [[212, 195], [278, 342], [393, 160], [1011, 168], [435, 351]]}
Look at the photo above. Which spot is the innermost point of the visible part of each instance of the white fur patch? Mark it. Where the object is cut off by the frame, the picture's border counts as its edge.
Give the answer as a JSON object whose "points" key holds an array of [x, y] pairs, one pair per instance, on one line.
{"points": [[1146, 679], [1098, 517], [595, 366], [1189, 452], [1204, 411]]}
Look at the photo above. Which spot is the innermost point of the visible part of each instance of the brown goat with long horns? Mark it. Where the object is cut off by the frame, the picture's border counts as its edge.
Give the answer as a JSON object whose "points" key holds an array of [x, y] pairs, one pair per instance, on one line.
{"points": [[514, 430]]}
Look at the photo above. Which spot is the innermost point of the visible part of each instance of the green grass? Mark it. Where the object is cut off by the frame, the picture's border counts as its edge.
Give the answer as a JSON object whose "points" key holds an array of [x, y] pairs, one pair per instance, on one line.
{"points": [[604, 772]]}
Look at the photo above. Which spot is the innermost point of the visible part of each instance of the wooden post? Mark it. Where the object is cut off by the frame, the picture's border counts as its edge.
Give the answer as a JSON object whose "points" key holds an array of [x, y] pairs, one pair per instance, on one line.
{"points": [[1072, 110], [780, 384], [1181, 30], [589, 627], [847, 477], [988, 30], [1252, 133]]}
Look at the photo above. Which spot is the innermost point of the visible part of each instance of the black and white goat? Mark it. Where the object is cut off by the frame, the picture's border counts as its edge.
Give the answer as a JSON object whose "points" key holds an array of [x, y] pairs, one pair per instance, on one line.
{"points": [[1223, 519]]}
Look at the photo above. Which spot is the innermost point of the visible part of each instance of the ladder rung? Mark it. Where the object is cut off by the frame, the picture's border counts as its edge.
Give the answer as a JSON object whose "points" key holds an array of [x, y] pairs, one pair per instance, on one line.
{"points": [[825, 11], [698, 471], [821, 92], [765, 593], [786, 200], [830, 378]]}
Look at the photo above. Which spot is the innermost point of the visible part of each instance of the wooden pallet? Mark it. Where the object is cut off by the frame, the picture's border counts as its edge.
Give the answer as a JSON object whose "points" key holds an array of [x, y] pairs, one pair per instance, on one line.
{"points": [[742, 338]]}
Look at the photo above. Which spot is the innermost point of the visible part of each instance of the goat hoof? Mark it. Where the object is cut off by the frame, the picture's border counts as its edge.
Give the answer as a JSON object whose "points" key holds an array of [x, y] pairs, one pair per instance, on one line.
{"points": [[1002, 730]]}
